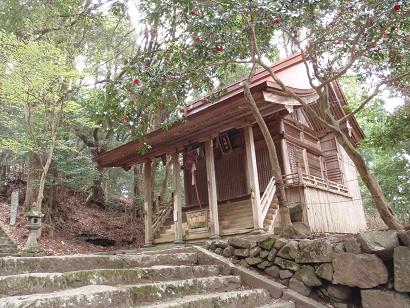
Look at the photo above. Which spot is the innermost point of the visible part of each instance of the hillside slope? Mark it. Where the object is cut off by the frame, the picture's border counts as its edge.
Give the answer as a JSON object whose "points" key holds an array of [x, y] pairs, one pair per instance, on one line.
{"points": [[74, 224]]}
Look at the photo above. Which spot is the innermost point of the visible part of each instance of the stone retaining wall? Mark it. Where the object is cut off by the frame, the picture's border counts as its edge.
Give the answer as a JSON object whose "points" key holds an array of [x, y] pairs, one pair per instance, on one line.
{"points": [[371, 270]]}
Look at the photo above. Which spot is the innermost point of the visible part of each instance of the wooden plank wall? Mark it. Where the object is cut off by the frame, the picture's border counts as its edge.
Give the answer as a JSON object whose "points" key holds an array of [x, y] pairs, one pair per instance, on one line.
{"points": [[263, 165], [231, 175], [200, 175], [330, 212], [352, 183], [230, 178], [230, 171]]}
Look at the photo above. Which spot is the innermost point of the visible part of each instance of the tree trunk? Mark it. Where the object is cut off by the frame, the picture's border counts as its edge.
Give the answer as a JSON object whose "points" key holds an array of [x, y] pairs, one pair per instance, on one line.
{"points": [[3, 169], [273, 157], [137, 202], [96, 194], [386, 213], [164, 185], [32, 172], [51, 197]]}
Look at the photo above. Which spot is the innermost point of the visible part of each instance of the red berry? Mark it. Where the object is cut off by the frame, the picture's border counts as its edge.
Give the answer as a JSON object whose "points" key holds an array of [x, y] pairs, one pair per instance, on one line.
{"points": [[194, 13], [397, 7], [277, 20], [136, 81], [197, 39], [338, 42], [126, 119], [218, 48]]}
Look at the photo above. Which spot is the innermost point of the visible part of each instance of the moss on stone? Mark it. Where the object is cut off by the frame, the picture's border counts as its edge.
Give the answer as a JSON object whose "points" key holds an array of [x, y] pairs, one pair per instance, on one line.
{"points": [[267, 244]]}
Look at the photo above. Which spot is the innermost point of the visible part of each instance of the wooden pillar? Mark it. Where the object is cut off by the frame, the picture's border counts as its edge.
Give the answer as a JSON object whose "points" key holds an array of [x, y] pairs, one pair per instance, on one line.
{"points": [[212, 192], [148, 202], [253, 180], [177, 199]]}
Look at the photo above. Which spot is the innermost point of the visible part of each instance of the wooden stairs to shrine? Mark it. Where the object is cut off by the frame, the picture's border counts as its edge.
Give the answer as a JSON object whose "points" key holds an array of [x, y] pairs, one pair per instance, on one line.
{"points": [[7, 246], [270, 217], [234, 218], [269, 206]]}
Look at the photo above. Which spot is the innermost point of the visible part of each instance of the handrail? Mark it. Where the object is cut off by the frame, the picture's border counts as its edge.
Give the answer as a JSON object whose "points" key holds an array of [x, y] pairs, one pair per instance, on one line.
{"points": [[161, 217], [315, 181], [267, 197]]}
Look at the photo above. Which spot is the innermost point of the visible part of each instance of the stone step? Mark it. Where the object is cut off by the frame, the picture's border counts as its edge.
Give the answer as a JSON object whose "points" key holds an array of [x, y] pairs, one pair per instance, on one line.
{"points": [[124, 296], [50, 264], [6, 245], [232, 299], [7, 254], [7, 249], [279, 304], [24, 284]]}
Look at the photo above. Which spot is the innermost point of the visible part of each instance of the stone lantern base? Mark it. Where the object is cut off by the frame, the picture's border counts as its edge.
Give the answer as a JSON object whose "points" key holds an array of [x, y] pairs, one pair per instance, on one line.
{"points": [[34, 224]]}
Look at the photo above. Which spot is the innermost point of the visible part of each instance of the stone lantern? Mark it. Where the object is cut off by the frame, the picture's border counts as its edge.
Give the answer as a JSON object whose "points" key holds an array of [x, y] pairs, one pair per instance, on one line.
{"points": [[34, 224]]}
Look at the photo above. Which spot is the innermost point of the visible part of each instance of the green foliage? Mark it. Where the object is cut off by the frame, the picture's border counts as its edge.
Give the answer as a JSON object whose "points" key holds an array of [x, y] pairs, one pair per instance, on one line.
{"points": [[126, 82], [386, 148], [387, 151]]}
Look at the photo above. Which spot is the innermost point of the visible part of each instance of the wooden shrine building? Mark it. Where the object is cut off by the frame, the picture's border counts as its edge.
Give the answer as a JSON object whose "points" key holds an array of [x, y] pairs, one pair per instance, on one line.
{"points": [[227, 186]]}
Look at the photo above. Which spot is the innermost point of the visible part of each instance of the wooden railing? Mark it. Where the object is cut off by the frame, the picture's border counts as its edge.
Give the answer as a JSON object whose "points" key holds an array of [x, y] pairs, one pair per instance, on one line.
{"points": [[267, 197], [314, 181], [161, 217]]}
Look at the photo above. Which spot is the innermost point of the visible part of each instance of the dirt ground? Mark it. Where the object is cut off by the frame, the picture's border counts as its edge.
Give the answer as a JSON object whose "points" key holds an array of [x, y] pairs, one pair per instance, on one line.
{"points": [[75, 223]]}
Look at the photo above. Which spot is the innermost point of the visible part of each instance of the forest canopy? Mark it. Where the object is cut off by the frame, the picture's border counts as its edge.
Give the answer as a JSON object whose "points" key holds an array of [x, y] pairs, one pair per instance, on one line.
{"points": [[80, 77]]}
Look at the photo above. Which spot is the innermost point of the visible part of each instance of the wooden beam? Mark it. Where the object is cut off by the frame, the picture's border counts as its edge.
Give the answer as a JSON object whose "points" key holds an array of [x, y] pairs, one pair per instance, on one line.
{"points": [[177, 198], [148, 202], [309, 147], [212, 192], [253, 180]]}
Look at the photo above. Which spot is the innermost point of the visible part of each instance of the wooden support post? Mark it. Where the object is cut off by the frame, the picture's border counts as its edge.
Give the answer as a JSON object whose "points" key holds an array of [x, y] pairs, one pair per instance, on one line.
{"points": [[212, 192], [300, 175], [253, 180], [177, 199], [148, 202], [305, 161], [322, 167]]}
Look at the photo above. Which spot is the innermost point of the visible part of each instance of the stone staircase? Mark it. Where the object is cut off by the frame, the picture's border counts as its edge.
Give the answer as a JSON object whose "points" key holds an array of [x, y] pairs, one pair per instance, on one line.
{"points": [[176, 277], [7, 246]]}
